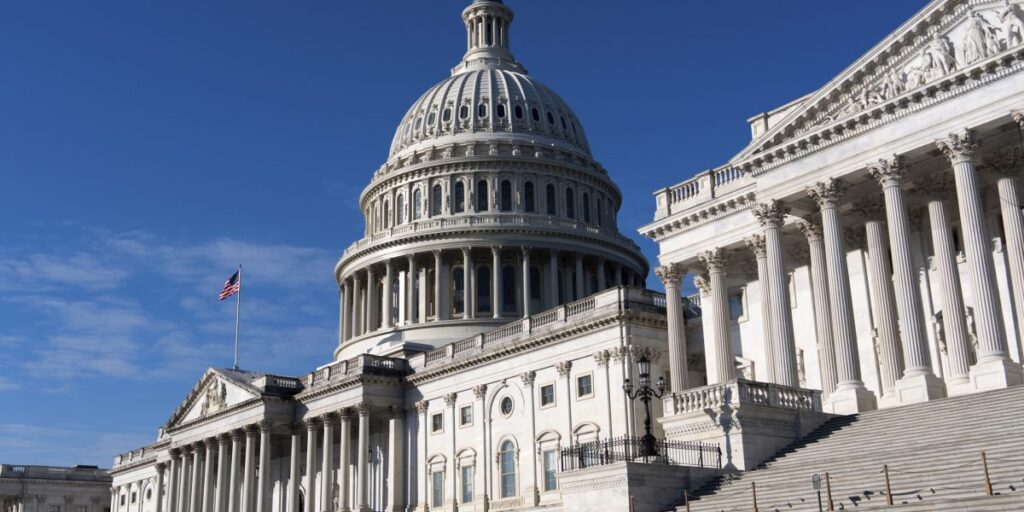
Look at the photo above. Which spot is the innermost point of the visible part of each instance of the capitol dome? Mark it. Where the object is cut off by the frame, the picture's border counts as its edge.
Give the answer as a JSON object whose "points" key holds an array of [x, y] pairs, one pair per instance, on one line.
{"points": [[489, 208]]}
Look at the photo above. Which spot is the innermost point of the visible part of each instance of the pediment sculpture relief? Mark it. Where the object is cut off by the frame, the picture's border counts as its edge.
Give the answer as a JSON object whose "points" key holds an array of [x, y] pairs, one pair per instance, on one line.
{"points": [[214, 398]]}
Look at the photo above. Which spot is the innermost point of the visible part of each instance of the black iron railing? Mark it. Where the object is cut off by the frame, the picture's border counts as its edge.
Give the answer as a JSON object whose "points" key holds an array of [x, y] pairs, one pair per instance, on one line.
{"points": [[629, 449]]}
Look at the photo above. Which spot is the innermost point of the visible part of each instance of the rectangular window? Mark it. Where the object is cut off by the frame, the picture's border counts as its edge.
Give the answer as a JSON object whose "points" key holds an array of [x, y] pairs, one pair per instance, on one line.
{"points": [[437, 489], [547, 395], [466, 415], [467, 484], [437, 422], [550, 465], [584, 386]]}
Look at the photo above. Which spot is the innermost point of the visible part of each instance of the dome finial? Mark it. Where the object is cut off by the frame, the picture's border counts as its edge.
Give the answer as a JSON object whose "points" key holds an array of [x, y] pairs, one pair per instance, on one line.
{"points": [[487, 41]]}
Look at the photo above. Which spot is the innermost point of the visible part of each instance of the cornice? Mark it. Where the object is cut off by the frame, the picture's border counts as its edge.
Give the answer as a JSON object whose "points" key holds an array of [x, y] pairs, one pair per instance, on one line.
{"points": [[709, 212]]}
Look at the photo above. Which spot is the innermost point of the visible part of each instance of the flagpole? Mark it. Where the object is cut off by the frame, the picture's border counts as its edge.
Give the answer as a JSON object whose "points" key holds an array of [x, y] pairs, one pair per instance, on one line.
{"points": [[238, 310]]}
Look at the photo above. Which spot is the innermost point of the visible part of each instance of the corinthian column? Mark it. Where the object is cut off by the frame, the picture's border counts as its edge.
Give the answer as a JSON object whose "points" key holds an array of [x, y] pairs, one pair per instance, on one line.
{"points": [[526, 282], [919, 383], [822, 322], [389, 268], [756, 245], [883, 300], [234, 498], [1008, 164], [263, 483], [207, 505], [396, 459], [362, 501], [496, 292], [160, 468], [195, 488], [249, 471], [173, 484], [327, 472], [671, 276], [311, 426], [357, 305], [939, 188], [372, 301], [772, 215], [410, 292], [294, 461], [345, 415], [346, 309], [724, 361], [994, 369], [467, 283], [850, 396]]}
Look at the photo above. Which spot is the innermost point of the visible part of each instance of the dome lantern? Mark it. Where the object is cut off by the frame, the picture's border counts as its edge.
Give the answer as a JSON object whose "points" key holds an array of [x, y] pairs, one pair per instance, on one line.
{"points": [[487, 37]]}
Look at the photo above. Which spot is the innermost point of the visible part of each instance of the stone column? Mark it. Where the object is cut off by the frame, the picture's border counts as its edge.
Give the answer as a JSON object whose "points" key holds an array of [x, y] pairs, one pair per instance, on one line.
{"points": [[938, 189], [294, 469], [344, 500], [327, 461], [185, 478], [496, 303], [173, 483], [772, 216], [602, 282], [756, 245], [994, 368], [440, 278], [580, 290], [883, 299], [671, 276], [195, 494], [919, 383], [724, 362], [372, 301], [467, 283], [424, 429], [220, 489], [160, 467], [850, 396], [342, 308], [357, 306], [410, 292], [387, 297], [207, 497], [234, 496], [526, 282], [347, 321], [1008, 165], [396, 459], [263, 484], [822, 322], [249, 469], [311, 427], [553, 279], [362, 502]]}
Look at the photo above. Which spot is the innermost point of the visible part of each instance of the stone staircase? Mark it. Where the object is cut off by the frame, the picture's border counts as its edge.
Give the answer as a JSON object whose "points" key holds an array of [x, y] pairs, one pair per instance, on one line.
{"points": [[933, 451]]}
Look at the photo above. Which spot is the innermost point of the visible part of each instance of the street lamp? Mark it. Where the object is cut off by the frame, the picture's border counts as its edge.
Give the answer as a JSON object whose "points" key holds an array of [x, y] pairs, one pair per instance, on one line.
{"points": [[645, 392]]}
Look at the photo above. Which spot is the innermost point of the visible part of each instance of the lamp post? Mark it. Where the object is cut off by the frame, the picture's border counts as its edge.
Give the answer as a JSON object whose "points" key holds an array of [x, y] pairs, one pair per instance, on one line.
{"points": [[645, 392]]}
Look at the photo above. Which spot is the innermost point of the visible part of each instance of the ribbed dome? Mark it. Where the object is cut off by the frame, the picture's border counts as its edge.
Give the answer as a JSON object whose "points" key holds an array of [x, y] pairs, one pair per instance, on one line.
{"points": [[503, 103]]}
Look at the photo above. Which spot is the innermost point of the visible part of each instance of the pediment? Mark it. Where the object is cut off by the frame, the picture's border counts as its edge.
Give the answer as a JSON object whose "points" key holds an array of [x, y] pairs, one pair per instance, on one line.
{"points": [[945, 38], [217, 390]]}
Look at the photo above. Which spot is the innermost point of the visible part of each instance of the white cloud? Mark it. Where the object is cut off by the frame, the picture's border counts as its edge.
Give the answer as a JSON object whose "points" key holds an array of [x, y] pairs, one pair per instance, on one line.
{"points": [[56, 446]]}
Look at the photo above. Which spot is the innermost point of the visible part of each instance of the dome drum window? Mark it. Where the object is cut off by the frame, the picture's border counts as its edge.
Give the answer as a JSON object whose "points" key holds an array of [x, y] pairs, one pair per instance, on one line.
{"points": [[519, 112], [446, 115], [481, 110], [463, 112], [500, 110], [431, 118]]}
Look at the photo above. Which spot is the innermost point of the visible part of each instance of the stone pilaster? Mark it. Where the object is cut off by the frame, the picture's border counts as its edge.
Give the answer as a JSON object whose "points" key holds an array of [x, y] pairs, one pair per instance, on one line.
{"points": [[671, 276], [850, 396], [771, 216]]}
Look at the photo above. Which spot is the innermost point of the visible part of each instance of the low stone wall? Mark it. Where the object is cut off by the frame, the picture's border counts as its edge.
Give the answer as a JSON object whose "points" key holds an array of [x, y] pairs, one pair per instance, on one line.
{"points": [[629, 486]]}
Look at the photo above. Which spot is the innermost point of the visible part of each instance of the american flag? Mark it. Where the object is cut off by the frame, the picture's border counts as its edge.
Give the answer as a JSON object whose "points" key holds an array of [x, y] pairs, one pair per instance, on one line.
{"points": [[231, 286]]}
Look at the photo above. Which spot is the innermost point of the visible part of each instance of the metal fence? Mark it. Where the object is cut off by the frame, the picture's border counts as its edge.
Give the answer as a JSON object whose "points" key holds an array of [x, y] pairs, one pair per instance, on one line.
{"points": [[630, 449]]}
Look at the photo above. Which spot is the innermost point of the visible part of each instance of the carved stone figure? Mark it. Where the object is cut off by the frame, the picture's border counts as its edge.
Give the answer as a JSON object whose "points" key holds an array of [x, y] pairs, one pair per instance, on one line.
{"points": [[215, 398], [979, 39], [938, 60], [1011, 25]]}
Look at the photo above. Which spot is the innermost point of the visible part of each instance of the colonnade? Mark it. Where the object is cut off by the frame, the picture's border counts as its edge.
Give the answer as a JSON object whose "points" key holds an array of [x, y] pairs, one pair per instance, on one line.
{"points": [[424, 287], [907, 372]]}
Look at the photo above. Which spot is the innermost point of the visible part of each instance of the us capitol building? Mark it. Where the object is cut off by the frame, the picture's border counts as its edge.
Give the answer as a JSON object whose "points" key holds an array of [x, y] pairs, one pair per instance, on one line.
{"points": [[865, 251]]}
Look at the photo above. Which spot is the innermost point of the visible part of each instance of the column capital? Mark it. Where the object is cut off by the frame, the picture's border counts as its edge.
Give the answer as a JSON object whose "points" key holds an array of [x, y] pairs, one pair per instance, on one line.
{"points": [[811, 229], [465, 251], [525, 250], [449, 399], [395, 412], [771, 214], [564, 368], [940, 186], [186, 450], [889, 172], [362, 408], [828, 193], [480, 391], [422, 406], [1008, 161], [496, 249], [714, 260], [528, 377], [755, 243], [703, 284], [174, 453], [1018, 117], [344, 414], [251, 429], [237, 435], [602, 357], [670, 274], [437, 253], [213, 441], [225, 437], [871, 207], [311, 423], [331, 418], [959, 146], [160, 467]]}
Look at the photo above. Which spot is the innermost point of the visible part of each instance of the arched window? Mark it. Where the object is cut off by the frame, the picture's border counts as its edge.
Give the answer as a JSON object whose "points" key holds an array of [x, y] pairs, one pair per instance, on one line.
{"points": [[459, 284], [535, 114], [400, 207], [528, 199], [506, 196], [508, 469], [417, 204], [483, 289], [459, 203], [481, 196], [446, 115], [552, 200], [431, 117], [435, 200], [519, 112], [586, 207], [551, 118], [508, 289], [570, 203], [481, 110], [387, 215], [500, 110], [463, 112]]}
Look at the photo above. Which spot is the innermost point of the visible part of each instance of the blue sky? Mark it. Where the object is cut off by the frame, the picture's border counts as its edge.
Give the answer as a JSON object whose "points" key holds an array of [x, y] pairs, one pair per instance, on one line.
{"points": [[146, 148]]}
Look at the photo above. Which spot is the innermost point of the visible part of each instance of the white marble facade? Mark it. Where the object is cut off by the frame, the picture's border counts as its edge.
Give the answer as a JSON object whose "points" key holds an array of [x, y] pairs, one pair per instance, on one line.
{"points": [[57, 489]]}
